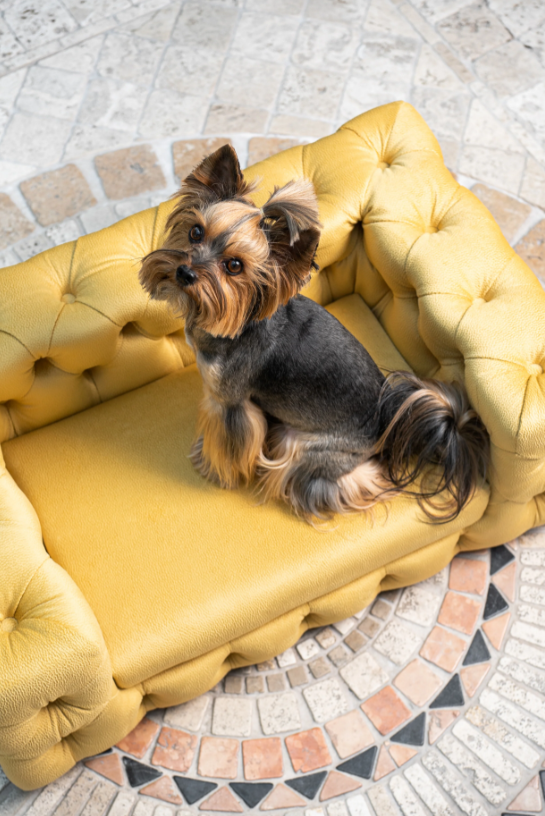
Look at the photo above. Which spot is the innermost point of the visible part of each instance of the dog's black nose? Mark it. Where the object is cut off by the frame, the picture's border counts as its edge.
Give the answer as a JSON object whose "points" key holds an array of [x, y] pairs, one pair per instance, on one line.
{"points": [[185, 275]]}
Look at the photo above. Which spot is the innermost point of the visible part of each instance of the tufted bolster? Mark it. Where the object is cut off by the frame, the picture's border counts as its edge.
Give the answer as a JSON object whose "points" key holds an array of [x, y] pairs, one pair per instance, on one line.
{"points": [[55, 674]]}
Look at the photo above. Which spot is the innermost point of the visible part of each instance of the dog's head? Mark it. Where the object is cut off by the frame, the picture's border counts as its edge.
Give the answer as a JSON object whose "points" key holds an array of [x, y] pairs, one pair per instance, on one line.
{"points": [[225, 262]]}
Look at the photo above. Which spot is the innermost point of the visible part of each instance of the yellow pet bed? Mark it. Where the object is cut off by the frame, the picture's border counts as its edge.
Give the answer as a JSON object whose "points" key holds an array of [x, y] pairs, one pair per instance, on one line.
{"points": [[127, 582]]}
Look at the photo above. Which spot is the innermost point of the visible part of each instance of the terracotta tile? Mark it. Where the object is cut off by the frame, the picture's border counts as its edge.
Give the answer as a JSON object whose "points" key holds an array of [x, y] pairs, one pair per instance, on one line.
{"points": [[262, 758], [175, 749], [529, 799], [496, 628], [58, 194], [386, 710], [108, 766], [349, 734], [472, 677], [531, 249], [418, 682], [130, 171], [401, 753], [282, 797], [337, 783], [255, 685], [140, 738], [308, 750], [459, 612], [443, 648], [222, 800], [261, 147], [188, 153], [218, 757], [297, 676], [385, 764], [439, 722], [164, 789], [508, 212], [13, 224], [505, 581], [468, 575]]}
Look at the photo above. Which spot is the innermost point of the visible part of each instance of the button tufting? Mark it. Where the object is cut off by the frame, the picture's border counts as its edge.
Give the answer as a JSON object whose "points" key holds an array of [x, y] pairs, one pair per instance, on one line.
{"points": [[479, 300], [535, 369], [8, 624], [383, 165], [431, 229], [68, 298]]}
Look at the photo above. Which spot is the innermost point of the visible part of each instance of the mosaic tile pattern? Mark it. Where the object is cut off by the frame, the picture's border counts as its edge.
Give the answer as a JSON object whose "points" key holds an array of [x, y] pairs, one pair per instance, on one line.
{"points": [[373, 734]]}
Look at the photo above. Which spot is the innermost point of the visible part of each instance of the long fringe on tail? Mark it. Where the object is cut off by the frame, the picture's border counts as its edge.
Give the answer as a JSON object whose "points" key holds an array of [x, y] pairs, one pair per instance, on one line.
{"points": [[428, 431]]}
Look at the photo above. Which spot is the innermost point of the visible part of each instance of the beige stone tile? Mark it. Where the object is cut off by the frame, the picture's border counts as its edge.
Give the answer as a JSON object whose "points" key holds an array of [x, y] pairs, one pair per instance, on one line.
{"points": [[98, 217], [279, 7], [113, 104], [473, 31], [534, 39], [129, 172], [265, 37], [10, 85], [13, 224], [39, 23], [508, 212], [87, 140], [235, 119], [346, 11], [384, 18], [128, 59], [432, 71], [205, 25], [533, 183], [307, 92], [169, 113], [188, 715], [483, 129], [12, 171], [325, 45], [27, 137], [87, 12], [9, 46], [435, 10], [190, 70], [157, 26], [80, 59], [279, 713], [245, 81], [48, 90], [510, 69], [32, 245], [444, 111], [58, 194], [260, 148], [496, 167], [299, 126], [530, 107], [518, 15]]}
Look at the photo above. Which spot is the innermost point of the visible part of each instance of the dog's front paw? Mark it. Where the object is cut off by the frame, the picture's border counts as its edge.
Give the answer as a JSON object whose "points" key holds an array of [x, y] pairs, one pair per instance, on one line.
{"points": [[201, 464]]}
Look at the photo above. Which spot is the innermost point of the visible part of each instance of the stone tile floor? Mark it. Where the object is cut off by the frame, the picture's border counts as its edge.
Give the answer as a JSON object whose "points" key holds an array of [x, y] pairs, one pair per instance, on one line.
{"points": [[433, 700]]}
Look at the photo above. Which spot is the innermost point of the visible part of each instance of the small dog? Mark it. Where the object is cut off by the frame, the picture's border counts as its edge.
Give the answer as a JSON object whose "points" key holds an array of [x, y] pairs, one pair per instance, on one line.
{"points": [[290, 396]]}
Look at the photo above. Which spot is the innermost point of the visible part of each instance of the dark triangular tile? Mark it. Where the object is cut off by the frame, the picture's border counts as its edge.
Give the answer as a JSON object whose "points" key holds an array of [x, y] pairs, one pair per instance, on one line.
{"points": [[478, 651], [251, 793], [413, 732], [451, 696], [499, 558], [138, 773], [307, 785], [193, 789], [495, 603], [542, 779], [360, 765]]}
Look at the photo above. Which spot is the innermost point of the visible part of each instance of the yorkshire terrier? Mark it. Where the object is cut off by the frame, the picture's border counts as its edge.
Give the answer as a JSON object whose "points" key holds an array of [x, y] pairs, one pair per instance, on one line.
{"points": [[290, 396]]}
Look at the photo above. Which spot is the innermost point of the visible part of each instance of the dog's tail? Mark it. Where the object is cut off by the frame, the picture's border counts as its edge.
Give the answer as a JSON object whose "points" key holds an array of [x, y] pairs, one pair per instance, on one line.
{"points": [[427, 429]]}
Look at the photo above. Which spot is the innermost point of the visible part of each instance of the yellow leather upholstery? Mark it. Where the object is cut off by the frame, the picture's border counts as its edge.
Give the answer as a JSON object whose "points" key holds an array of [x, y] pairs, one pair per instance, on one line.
{"points": [[120, 509]]}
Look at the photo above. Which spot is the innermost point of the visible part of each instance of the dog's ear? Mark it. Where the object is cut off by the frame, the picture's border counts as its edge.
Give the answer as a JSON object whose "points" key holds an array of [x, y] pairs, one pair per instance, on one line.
{"points": [[218, 176], [290, 221]]}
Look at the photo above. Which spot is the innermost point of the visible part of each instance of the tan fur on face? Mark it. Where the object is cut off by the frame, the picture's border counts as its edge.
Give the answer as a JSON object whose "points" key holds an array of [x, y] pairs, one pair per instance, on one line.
{"points": [[212, 453]]}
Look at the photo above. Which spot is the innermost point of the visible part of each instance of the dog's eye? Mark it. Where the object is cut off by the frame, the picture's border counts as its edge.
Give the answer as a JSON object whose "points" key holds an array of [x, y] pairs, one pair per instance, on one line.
{"points": [[196, 234], [233, 266]]}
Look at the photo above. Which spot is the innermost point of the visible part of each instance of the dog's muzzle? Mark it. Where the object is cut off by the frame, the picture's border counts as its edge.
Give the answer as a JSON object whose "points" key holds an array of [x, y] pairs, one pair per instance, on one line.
{"points": [[185, 275]]}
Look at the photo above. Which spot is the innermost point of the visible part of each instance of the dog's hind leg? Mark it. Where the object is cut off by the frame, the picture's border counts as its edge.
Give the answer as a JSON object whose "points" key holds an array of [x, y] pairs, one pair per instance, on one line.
{"points": [[230, 441]]}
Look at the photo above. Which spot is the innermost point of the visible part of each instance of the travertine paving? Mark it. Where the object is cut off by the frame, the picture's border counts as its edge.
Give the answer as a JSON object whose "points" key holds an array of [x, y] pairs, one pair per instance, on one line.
{"points": [[433, 700]]}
